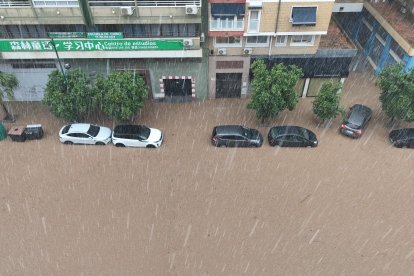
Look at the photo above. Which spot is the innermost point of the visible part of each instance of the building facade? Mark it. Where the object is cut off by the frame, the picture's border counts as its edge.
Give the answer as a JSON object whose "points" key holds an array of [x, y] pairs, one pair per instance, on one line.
{"points": [[277, 31], [383, 31], [160, 40]]}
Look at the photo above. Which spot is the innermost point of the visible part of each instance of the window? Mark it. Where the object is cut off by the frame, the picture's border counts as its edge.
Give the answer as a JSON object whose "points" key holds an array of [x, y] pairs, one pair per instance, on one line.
{"points": [[302, 40], [233, 41], [303, 16], [280, 40], [257, 40], [254, 21], [227, 16]]}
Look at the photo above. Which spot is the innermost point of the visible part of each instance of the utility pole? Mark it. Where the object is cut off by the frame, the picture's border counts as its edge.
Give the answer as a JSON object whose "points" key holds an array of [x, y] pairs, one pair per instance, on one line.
{"points": [[52, 42]]}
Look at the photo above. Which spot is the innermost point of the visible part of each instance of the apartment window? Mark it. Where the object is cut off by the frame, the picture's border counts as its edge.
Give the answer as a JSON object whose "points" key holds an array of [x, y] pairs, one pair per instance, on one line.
{"points": [[303, 16], [254, 21], [229, 41], [227, 16], [257, 41], [302, 40], [280, 40]]}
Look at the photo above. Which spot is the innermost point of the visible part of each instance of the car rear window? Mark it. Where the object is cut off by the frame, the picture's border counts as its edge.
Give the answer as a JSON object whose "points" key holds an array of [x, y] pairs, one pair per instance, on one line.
{"points": [[66, 129]]}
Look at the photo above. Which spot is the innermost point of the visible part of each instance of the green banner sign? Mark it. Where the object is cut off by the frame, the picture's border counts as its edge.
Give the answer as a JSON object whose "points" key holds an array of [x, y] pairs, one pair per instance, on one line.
{"points": [[90, 45], [105, 35], [66, 34]]}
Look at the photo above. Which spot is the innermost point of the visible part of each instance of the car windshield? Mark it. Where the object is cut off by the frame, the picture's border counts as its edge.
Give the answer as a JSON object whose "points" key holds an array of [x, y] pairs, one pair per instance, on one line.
{"points": [[93, 130], [144, 132], [248, 133]]}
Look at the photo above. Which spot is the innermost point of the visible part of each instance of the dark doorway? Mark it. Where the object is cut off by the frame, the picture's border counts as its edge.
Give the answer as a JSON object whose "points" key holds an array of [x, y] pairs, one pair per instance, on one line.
{"points": [[228, 85], [177, 90]]}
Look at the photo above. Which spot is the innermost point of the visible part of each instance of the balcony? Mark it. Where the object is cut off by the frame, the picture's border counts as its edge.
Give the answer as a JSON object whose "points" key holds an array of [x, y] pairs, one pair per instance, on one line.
{"points": [[15, 3], [132, 3], [55, 3], [226, 24]]}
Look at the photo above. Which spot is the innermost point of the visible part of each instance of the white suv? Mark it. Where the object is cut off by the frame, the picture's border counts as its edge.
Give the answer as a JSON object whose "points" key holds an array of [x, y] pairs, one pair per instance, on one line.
{"points": [[136, 136]]}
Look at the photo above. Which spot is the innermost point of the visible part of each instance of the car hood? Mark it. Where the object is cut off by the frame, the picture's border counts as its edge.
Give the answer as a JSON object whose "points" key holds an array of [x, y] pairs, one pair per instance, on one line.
{"points": [[104, 133], [155, 135]]}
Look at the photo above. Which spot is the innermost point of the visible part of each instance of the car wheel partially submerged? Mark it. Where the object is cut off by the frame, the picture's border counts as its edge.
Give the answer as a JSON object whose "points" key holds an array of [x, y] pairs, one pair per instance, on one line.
{"points": [[100, 144], [150, 147], [68, 143], [119, 145]]}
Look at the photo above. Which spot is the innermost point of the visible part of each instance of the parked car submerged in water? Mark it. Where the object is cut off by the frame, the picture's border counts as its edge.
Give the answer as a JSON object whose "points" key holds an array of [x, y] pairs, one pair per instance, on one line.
{"points": [[356, 121], [85, 134], [291, 136], [136, 136], [402, 137], [236, 136]]}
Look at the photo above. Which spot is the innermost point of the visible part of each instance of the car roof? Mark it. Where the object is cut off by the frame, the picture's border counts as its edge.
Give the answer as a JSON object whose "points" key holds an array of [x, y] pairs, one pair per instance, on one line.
{"points": [[358, 113], [79, 127], [289, 130], [402, 133], [229, 129]]}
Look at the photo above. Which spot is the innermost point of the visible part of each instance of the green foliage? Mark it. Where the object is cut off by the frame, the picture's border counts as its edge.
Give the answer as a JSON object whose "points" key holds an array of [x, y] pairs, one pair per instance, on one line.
{"points": [[8, 83], [72, 101], [273, 90], [326, 105], [397, 92], [124, 94]]}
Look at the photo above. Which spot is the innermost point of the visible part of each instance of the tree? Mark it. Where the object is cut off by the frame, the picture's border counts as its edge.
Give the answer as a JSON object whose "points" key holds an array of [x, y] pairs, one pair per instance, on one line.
{"points": [[125, 93], [71, 101], [274, 89], [397, 92], [8, 83], [326, 105]]}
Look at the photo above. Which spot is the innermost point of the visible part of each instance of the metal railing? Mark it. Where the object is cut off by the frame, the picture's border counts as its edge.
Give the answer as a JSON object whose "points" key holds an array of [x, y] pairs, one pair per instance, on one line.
{"points": [[55, 3], [15, 3], [226, 24], [139, 3]]}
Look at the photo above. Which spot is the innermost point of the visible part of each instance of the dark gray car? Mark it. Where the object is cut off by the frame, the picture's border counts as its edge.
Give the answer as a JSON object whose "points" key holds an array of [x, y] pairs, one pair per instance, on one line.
{"points": [[236, 136], [356, 121]]}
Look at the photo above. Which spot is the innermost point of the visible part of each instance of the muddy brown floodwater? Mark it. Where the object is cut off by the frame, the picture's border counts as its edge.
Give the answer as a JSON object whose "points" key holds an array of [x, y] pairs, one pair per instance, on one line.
{"points": [[188, 208]]}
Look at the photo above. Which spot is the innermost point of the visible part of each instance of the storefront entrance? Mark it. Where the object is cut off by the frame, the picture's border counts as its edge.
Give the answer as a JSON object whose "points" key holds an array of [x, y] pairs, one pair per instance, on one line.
{"points": [[228, 85]]}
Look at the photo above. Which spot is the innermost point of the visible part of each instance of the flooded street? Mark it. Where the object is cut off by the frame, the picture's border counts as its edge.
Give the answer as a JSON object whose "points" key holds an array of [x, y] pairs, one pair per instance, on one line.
{"points": [[188, 208]]}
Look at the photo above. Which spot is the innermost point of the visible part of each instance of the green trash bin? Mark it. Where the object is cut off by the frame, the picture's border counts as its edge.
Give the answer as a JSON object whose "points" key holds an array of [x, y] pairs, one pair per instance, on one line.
{"points": [[3, 133]]}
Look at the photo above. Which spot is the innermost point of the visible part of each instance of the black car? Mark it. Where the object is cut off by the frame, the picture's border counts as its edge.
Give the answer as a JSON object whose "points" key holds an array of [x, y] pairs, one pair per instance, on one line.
{"points": [[292, 136], [356, 121], [402, 137], [236, 136]]}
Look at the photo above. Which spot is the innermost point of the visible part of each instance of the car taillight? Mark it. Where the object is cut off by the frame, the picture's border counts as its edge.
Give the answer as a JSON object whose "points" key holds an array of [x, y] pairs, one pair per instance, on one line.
{"points": [[342, 126], [358, 131], [215, 138]]}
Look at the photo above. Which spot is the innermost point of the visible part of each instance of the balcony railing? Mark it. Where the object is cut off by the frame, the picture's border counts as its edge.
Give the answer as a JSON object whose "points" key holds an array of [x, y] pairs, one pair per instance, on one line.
{"points": [[14, 3], [55, 3], [155, 3], [226, 24]]}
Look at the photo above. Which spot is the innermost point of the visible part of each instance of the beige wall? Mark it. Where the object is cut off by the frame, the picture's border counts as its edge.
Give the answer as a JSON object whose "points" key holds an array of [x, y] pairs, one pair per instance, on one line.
{"points": [[269, 15]]}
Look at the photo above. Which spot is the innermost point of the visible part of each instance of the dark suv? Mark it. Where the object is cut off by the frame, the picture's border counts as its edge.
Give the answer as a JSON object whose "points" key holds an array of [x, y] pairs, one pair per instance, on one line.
{"points": [[236, 136], [356, 121]]}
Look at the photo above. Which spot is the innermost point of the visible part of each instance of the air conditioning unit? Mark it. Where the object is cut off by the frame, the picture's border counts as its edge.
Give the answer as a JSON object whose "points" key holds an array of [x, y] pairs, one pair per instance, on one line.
{"points": [[222, 51], [247, 51], [202, 37], [190, 9], [188, 42], [126, 11]]}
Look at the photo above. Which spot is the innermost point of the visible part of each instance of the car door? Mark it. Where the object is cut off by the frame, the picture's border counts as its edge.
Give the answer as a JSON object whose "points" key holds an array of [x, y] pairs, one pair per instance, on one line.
{"points": [[284, 140], [410, 142], [298, 141], [85, 139]]}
